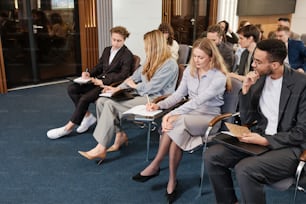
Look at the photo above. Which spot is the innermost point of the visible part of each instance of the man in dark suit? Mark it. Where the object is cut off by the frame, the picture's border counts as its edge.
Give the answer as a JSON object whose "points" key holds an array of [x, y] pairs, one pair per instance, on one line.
{"points": [[215, 33], [296, 49], [248, 37], [274, 96], [115, 65]]}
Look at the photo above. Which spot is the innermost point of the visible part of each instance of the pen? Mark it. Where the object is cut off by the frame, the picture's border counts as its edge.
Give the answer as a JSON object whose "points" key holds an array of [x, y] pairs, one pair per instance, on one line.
{"points": [[148, 99]]}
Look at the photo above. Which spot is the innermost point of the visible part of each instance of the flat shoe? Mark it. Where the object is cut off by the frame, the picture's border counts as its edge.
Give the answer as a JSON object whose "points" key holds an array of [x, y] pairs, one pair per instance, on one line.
{"points": [[140, 178], [171, 197]]}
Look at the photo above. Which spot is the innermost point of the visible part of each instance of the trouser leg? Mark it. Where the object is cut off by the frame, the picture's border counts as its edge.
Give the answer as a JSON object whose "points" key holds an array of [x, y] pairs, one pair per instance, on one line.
{"points": [[254, 172], [218, 161], [82, 96]]}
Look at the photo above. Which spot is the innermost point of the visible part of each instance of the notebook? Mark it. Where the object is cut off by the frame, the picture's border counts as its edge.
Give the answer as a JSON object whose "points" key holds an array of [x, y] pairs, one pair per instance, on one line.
{"points": [[234, 143], [122, 94]]}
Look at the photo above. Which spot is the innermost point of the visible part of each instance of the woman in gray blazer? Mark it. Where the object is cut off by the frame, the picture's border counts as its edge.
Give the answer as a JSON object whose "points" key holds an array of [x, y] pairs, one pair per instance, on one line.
{"points": [[158, 76]]}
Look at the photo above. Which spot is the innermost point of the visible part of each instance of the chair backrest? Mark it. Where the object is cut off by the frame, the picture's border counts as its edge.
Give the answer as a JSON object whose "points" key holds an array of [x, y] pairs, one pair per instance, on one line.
{"points": [[136, 62], [180, 74], [231, 98], [184, 53]]}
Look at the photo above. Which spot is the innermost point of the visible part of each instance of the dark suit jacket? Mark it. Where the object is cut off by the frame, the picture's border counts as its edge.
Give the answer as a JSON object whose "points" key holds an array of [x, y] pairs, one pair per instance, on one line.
{"points": [[296, 54], [291, 129], [227, 53], [243, 61], [120, 68]]}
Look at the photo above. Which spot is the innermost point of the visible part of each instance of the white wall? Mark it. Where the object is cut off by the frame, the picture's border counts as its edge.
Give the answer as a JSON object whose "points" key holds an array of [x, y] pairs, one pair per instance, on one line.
{"points": [[299, 17], [139, 17]]}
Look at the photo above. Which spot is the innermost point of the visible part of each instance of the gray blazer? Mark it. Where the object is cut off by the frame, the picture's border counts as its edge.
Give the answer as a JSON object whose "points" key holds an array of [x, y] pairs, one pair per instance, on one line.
{"points": [[291, 130]]}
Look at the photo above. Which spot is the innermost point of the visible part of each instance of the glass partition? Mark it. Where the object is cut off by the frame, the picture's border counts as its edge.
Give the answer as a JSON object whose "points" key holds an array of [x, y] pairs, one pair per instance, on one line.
{"points": [[40, 40]]}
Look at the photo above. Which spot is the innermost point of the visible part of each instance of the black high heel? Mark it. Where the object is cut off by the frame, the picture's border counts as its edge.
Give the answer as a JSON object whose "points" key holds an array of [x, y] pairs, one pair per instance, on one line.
{"points": [[171, 197], [139, 178]]}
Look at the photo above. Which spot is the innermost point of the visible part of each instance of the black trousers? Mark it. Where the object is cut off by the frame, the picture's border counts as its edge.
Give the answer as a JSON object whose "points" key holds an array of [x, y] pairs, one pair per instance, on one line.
{"points": [[82, 95], [252, 172]]}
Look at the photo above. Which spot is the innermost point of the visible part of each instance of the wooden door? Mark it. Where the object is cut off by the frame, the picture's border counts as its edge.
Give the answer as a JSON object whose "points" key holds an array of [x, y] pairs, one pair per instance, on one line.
{"points": [[189, 18]]}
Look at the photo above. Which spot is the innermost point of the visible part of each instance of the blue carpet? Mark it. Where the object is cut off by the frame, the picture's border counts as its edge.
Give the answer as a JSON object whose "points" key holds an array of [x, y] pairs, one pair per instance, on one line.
{"points": [[35, 169]]}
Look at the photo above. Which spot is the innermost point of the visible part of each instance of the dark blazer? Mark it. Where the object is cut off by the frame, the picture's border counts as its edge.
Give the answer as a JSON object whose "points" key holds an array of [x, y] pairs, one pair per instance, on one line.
{"points": [[120, 68], [227, 53], [291, 129], [243, 61], [296, 54]]}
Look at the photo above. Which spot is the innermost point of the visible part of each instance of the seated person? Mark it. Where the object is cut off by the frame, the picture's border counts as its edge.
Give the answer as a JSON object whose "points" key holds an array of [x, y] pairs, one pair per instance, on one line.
{"points": [[248, 37], [157, 77], [204, 81], [295, 49], [114, 65], [58, 30], [230, 37], [283, 21], [215, 33], [275, 96], [169, 35]]}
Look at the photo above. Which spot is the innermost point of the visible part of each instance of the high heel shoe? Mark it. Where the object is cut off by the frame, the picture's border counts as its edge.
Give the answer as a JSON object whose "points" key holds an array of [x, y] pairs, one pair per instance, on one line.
{"points": [[171, 197], [140, 178], [115, 147], [99, 156]]}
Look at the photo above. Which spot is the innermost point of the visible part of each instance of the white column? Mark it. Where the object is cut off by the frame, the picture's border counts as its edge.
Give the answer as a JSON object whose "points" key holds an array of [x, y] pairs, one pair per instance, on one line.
{"points": [[227, 10], [105, 23]]}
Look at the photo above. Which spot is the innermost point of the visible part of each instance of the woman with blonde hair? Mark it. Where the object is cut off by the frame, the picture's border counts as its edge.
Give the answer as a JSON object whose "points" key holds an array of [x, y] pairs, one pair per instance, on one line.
{"points": [[204, 81], [156, 77]]}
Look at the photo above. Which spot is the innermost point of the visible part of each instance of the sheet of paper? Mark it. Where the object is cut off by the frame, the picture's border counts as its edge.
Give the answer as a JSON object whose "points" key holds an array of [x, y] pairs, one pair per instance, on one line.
{"points": [[106, 94], [237, 130], [141, 110], [81, 80]]}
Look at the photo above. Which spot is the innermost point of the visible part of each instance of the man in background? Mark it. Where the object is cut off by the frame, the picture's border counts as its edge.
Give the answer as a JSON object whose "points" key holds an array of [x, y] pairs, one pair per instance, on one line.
{"points": [[286, 22], [296, 50], [215, 33]]}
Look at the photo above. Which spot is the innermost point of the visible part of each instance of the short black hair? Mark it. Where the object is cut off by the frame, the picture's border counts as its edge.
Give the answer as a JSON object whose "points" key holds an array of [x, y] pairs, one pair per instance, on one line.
{"points": [[276, 49]]}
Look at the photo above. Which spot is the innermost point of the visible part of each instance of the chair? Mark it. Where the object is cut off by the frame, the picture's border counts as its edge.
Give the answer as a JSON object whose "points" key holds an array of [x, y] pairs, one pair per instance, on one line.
{"points": [[151, 121], [136, 64], [184, 53], [286, 183], [228, 111]]}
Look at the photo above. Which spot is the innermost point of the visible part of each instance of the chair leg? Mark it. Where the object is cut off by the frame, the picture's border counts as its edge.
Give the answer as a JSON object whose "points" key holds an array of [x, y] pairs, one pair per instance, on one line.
{"points": [[148, 140], [297, 176]]}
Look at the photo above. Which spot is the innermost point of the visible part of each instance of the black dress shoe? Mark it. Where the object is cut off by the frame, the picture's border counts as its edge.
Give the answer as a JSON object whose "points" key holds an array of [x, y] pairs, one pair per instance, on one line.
{"points": [[171, 196], [139, 178]]}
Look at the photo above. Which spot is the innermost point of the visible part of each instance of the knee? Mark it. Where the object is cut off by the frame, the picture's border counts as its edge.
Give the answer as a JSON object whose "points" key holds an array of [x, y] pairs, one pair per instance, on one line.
{"points": [[72, 88], [244, 169], [212, 154]]}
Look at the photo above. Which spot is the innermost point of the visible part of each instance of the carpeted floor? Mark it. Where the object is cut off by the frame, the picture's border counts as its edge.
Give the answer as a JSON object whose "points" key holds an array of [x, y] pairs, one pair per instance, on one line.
{"points": [[35, 169]]}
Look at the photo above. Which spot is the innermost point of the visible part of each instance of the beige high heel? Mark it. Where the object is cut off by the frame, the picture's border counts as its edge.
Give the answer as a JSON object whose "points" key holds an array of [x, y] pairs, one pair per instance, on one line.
{"points": [[89, 157], [123, 140]]}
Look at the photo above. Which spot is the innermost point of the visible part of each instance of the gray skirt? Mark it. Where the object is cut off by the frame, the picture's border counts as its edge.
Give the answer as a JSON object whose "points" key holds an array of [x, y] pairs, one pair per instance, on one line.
{"points": [[189, 129]]}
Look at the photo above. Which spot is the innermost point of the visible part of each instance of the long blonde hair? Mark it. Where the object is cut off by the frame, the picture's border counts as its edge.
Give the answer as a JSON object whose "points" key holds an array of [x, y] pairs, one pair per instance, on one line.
{"points": [[157, 52], [217, 61]]}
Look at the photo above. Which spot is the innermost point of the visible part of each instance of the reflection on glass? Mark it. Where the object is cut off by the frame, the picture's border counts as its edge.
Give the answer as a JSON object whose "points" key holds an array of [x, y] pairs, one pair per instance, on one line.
{"points": [[49, 50]]}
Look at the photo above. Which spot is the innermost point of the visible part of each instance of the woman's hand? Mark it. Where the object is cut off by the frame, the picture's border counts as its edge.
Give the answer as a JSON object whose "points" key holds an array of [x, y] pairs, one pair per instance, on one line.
{"points": [[85, 75], [110, 89], [97, 82], [129, 81], [152, 107], [167, 123], [254, 138]]}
